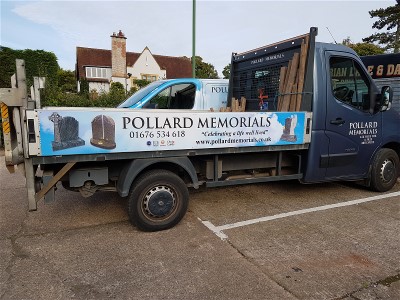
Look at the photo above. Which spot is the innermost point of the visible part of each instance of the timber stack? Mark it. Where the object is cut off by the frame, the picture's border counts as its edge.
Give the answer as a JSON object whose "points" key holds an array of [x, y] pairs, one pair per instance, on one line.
{"points": [[237, 106], [291, 80]]}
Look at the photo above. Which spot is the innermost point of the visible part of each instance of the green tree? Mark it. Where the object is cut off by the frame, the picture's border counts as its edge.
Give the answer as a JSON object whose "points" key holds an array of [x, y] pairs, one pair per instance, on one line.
{"points": [[83, 87], [37, 63], [363, 49], [205, 70], [117, 91], [390, 18], [7, 66], [60, 87], [227, 71], [137, 84], [140, 82], [66, 81], [40, 63]]}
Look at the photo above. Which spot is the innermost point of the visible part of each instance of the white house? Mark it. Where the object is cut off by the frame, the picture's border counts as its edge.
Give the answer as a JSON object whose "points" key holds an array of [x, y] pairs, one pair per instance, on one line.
{"points": [[100, 67]]}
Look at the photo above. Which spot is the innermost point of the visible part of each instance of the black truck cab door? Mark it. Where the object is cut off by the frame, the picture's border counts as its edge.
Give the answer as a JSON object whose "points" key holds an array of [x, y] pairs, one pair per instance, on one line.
{"points": [[353, 131]]}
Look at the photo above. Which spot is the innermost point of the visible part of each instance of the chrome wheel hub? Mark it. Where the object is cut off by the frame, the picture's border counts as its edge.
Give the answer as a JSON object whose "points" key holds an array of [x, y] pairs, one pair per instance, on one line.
{"points": [[387, 171], [159, 202]]}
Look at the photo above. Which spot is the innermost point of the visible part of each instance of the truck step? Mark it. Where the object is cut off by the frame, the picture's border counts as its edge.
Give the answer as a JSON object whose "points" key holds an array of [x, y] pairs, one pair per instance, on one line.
{"points": [[253, 180]]}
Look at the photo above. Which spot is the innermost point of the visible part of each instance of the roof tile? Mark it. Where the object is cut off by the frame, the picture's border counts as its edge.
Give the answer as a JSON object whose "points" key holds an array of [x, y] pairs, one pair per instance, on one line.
{"points": [[176, 67]]}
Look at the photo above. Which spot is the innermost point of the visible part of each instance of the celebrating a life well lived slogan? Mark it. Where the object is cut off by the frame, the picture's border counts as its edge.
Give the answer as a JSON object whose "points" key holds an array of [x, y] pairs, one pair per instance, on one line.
{"points": [[90, 131]]}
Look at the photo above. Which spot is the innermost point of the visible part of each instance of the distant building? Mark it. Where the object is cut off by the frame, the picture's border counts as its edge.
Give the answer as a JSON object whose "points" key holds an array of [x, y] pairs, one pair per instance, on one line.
{"points": [[100, 67]]}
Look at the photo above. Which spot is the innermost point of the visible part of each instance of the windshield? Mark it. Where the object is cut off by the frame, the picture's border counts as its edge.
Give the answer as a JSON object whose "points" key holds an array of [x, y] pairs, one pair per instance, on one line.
{"points": [[140, 94]]}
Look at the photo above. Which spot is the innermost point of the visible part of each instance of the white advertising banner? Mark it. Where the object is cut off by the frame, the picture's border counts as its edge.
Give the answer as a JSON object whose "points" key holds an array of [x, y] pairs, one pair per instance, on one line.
{"points": [[66, 131]]}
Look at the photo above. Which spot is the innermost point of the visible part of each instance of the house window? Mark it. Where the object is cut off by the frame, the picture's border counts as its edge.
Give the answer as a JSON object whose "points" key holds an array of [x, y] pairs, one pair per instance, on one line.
{"points": [[149, 77], [94, 72]]}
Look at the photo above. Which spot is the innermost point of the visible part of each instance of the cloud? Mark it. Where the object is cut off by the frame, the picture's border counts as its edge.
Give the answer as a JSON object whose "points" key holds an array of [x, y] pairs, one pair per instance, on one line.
{"points": [[222, 27], [276, 129], [90, 23], [46, 125]]}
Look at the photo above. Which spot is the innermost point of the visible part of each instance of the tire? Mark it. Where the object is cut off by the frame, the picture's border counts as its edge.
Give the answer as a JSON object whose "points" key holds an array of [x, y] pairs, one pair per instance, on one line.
{"points": [[158, 200], [385, 170]]}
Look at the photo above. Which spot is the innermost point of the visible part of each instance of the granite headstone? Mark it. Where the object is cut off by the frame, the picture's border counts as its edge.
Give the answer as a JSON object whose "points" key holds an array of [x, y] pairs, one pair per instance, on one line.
{"points": [[103, 132], [288, 131], [66, 131]]}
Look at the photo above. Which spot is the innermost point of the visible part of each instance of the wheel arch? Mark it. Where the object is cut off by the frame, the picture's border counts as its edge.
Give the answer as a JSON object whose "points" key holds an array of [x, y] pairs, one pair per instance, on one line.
{"points": [[394, 145], [384, 168], [135, 167]]}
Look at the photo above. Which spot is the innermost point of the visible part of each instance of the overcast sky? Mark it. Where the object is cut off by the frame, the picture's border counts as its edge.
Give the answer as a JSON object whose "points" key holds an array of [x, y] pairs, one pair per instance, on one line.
{"points": [[165, 27]]}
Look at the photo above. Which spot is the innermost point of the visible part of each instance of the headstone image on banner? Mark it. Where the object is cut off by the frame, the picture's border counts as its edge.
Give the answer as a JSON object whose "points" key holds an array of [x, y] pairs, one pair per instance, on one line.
{"points": [[66, 131], [288, 131], [103, 132]]}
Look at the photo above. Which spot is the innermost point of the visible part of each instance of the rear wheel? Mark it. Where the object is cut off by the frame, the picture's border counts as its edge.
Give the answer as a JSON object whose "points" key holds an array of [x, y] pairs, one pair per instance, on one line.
{"points": [[158, 200], [385, 170]]}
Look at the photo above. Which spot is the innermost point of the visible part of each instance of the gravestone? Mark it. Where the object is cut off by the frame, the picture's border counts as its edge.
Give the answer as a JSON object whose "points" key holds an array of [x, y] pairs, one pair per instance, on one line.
{"points": [[288, 132], [103, 132], [66, 131]]}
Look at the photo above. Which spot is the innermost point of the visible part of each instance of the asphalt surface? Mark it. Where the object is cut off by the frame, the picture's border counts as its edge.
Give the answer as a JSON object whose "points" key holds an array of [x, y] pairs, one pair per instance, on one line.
{"points": [[77, 248]]}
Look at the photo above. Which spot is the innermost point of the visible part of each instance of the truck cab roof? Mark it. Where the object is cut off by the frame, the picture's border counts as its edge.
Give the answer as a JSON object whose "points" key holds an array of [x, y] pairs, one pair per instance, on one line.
{"points": [[319, 46]]}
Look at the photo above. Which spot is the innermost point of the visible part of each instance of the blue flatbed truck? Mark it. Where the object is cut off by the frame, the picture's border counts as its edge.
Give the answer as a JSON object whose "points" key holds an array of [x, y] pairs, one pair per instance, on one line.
{"points": [[312, 113]]}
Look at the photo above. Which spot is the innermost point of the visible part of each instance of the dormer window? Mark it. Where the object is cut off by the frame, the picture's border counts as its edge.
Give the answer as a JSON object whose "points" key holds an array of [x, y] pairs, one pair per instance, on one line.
{"points": [[94, 72]]}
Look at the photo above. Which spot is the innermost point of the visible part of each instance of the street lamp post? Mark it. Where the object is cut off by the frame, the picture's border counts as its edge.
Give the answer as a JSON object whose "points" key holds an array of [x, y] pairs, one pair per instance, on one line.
{"points": [[194, 41]]}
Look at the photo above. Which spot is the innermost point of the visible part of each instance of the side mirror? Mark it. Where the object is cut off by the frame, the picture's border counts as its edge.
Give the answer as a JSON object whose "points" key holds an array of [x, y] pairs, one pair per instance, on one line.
{"points": [[386, 98]]}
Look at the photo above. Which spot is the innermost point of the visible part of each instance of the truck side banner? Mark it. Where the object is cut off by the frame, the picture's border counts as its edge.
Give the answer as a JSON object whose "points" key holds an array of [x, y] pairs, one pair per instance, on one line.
{"points": [[90, 131]]}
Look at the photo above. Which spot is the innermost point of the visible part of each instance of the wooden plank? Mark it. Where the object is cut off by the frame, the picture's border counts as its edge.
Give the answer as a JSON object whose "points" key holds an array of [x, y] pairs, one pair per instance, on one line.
{"points": [[290, 82], [54, 180], [293, 97], [302, 69], [235, 105], [243, 104], [282, 77], [285, 82]]}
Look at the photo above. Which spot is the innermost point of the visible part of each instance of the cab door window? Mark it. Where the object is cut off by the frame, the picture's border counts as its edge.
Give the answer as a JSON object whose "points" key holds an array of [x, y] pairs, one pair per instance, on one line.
{"points": [[179, 96], [349, 83], [159, 101]]}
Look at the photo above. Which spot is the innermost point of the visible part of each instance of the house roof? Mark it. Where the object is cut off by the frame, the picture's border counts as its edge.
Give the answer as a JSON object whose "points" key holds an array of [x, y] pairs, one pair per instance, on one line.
{"points": [[176, 67]]}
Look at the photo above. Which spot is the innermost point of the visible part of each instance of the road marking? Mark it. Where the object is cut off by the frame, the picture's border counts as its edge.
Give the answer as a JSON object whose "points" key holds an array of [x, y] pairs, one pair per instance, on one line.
{"points": [[218, 230]]}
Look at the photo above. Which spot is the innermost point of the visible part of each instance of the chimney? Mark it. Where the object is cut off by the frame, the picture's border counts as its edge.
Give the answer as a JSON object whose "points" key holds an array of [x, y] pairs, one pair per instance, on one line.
{"points": [[118, 54]]}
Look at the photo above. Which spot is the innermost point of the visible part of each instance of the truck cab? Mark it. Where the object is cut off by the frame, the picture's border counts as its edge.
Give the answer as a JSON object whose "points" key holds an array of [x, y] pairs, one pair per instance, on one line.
{"points": [[184, 93], [353, 119]]}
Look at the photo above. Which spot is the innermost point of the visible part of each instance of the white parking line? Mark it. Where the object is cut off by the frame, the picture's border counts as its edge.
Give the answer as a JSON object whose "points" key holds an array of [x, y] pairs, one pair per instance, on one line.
{"points": [[218, 230]]}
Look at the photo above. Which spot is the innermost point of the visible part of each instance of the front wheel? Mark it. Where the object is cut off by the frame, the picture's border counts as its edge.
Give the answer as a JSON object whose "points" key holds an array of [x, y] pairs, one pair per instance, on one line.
{"points": [[385, 170], [158, 200]]}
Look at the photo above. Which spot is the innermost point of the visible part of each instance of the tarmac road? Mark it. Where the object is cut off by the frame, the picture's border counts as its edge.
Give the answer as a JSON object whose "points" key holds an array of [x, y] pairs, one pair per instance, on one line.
{"points": [[280, 240]]}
